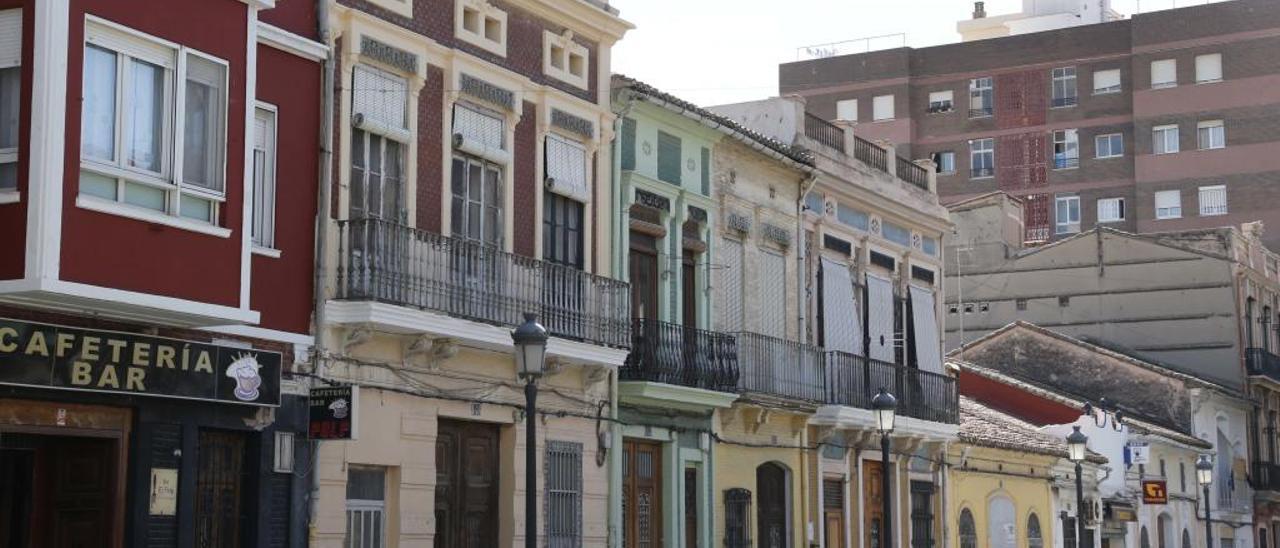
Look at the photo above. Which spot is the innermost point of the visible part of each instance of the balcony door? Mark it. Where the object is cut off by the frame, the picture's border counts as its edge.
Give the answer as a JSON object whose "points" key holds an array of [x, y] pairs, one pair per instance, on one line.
{"points": [[644, 276], [375, 208], [476, 249], [562, 286], [641, 494]]}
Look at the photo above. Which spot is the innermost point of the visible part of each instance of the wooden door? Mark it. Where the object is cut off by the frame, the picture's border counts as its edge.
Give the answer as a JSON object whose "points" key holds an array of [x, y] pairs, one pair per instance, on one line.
{"points": [[833, 512], [771, 484], [644, 276], [691, 508], [641, 494], [873, 501], [689, 290], [466, 485], [219, 488]]}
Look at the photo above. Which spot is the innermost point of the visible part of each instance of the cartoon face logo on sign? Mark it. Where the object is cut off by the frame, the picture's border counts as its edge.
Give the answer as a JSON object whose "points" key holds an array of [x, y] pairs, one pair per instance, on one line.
{"points": [[245, 372], [339, 408]]}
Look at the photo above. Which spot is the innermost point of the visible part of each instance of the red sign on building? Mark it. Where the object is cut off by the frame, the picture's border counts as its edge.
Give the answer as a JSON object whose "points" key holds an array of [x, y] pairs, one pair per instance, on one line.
{"points": [[1154, 492]]}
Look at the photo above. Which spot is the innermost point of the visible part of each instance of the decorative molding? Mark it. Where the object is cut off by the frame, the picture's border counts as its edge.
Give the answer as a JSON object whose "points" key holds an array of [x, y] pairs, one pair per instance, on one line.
{"points": [[738, 222], [573, 124], [388, 55], [485, 91], [698, 214], [655, 201], [775, 234]]}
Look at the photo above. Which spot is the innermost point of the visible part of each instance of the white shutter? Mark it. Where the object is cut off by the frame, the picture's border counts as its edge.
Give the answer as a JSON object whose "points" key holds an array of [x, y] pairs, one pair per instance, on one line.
{"points": [[478, 128], [882, 108], [928, 348], [1209, 67], [1106, 80], [567, 167], [10, 38], [847, 110], [880, 318], [1164, 73], [939, 97], [381, 98], [730, 293], [840, 321], [773, 294], [1168, 204]]}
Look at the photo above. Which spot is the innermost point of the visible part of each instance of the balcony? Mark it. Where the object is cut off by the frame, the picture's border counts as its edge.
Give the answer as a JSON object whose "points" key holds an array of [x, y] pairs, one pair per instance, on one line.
{"points": [[1262, 363], [823, 132], [870, 154], [854, 380], [389, 263], [780, 368], [679, 355], [1265, 476]]}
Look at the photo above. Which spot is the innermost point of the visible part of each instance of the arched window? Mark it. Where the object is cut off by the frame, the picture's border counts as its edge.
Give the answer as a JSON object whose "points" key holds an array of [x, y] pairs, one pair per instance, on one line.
{"points": [[1164, 534], [968, 532], [1145, 541], [1002, 529], [771, 506], [1223, 479], [1034, 538], [1186, 538], [1262, 538]]}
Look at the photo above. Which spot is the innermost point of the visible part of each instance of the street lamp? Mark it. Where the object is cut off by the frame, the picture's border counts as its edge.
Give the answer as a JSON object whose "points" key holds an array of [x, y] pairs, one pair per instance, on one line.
{"points": [[1204, 474], [1077, 446], [530, 340], [885, 406]]}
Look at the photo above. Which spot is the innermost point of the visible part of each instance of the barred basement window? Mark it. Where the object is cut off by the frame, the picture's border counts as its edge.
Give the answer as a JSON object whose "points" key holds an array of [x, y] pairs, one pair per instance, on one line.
{"points": [[564, 494], [366, 507], [737, 518]]}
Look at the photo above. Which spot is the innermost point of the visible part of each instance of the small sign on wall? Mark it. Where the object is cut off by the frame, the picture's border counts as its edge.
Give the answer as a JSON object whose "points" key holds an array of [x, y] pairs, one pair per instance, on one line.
{"points": [[333, 412], [164, 491], [1154, 492]]}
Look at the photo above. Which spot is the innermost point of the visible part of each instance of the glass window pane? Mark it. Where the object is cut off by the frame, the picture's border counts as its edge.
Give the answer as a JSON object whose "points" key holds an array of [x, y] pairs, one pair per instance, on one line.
{"points": [[10, 80], [94, 184], [144, 196], [9, 176], [203, 119], [98, 113], [145, 111], [199, 209]]}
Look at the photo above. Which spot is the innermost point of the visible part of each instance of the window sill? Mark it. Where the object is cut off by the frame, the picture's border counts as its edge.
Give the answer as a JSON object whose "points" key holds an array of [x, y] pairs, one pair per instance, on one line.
{"points": [[10, 196], [1164, 86], [1109, 221], [266, 251], [1108, 157], [882, 120], [1064, 107], [1202, 82], [1211, 148], [1168, 218], [983, 178], [115, 208], [1106, 92], [1213, 214]]}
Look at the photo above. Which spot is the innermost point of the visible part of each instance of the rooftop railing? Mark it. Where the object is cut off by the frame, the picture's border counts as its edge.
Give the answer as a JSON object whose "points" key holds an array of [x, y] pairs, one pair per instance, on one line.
{"points": [[823, 132]]}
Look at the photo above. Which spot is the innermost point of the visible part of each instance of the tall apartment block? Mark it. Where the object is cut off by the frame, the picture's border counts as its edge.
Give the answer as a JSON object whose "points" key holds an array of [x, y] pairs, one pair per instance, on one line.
{"points": [[1163, 121]]}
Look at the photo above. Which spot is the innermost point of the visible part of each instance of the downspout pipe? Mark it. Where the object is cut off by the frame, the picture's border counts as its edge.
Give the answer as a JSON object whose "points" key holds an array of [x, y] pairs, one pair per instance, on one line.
{"points": [[321, 236]]}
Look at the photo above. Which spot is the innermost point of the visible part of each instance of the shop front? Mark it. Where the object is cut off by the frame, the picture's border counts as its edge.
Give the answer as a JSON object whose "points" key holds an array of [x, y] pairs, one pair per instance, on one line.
{"points": [[113, 437]]}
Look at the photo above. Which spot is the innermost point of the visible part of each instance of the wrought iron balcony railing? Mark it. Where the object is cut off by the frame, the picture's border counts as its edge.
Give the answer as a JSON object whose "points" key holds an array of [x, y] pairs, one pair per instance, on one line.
{"points": [[1261, 362], [823, 132], [780, 367], [1265, 476], [854, 380], [686, 356], [396, 264]]}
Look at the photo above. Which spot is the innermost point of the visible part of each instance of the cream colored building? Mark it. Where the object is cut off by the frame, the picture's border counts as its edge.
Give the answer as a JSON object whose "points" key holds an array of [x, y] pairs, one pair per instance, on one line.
{"points": [[467, 191]]}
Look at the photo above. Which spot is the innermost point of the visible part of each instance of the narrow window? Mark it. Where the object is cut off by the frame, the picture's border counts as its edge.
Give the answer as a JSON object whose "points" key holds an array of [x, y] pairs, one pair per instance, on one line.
{"points": [[921, 514], [562, 230], [1064, 87], [1164, 139], [1066, 149], [1213, 200], [366, 507], [1035, 539], [1168, 204], [737, 518], [945, 162], [10, 87], [968, 530], [981, 100], [669, 158], [1068, 214], [264, 177], [628, 144], [982, 158], [564, 494]]}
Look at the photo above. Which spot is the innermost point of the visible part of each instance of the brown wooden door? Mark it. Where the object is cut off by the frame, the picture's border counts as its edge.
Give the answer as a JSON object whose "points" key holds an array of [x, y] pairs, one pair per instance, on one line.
{"points": [[466, 485], [644, 276], [771, 484], [691, 508], [835, 528], [833, 512], [219, 489], [641, 494], [873, 511], [59, 492]]}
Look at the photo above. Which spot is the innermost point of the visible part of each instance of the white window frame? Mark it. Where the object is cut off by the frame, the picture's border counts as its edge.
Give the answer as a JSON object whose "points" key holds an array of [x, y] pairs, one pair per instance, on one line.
{"points": [[1108, 138], [1208, 209], [263, 184], [878, 104], [559, 53], [1066, 76], [489, 28], [1173, 64], [1161, 134], [359, 507], [1212, 131], [986, 103], [1069, 140], [11, 24], [941, 101], [1116, 88], [978, 147], [1172, 206], [847, 110], [1070, 225], [942, 164], [129, 44], [1210, 63], [1110, 210]]}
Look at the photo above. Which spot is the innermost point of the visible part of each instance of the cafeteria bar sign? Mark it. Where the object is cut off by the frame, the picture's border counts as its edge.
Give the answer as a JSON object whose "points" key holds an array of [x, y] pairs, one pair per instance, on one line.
{"points": [[69, 358]]}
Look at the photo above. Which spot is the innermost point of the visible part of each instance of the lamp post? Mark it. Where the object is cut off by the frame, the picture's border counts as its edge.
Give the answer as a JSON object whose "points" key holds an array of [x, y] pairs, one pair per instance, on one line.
{"points": [[885, 406], [530, 341], [1077, 444], [1204, 475]]}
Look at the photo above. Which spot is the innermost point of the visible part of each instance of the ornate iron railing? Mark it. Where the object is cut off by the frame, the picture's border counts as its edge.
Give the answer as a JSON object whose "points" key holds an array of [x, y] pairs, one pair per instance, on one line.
{"points": [[823, 132], [1265, 476], [686, 356], [780, 367], [854, 380], [396, 264], [1260, 361]]}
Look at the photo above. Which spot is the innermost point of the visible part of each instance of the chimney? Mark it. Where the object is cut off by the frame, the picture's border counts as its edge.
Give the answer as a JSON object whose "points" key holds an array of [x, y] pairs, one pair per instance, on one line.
{"points": [[979, 10]]}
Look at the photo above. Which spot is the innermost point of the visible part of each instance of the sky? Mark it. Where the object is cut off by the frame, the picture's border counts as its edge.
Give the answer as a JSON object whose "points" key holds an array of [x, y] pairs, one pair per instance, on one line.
{"points": [[722, 51]]}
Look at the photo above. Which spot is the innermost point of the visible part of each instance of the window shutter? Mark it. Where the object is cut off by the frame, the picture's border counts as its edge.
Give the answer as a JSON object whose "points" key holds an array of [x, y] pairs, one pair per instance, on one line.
{"points": [[1104, 80], [478, 128], [773, 286], [1209, 67], [668, 158], [566, 167], [381, 98], [628, 143], [882, 108], [928, 348], [730, 292], [938, 98], [1168, 200], [840, 319], [706, 171], [847, 110], [880, 318], [1164, 73], [10, 38]]}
